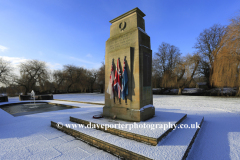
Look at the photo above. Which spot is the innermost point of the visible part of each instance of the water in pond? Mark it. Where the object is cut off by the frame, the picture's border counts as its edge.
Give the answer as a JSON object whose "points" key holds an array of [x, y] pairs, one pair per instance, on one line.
{"points": [[30, 108]]}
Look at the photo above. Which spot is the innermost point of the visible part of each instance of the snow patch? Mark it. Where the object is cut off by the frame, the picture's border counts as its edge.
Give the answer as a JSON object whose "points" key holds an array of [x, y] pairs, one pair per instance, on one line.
{"points": [[146, 107], [142, 31], [143, 108], [144, 46]]}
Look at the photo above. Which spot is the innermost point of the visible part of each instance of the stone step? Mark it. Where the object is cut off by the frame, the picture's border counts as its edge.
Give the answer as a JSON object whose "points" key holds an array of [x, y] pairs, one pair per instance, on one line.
{"points": [[174, 146], [127, 134], [143, 132], [108, 147], [182, 136]]}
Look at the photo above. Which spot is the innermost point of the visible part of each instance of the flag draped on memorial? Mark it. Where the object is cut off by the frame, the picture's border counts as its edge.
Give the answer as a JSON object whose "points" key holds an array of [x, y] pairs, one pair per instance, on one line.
{"points": [[110, 85], [117, 80], [124, 81]]}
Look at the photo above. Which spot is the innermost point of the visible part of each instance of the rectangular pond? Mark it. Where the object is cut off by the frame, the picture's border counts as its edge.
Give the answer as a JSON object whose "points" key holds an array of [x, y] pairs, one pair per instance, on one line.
{"points": [[31, 108]]}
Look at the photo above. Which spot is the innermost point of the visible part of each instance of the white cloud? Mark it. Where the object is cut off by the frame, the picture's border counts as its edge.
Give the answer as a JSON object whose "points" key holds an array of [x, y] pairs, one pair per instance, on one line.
{"points": [[89, 55], [82, 60], [3, 48], [15, 61], [54, 66], [92, 64]]}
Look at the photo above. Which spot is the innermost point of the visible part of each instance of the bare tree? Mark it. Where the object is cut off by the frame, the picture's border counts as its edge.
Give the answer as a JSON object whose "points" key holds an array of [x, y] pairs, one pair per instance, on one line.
{"points": [[208, 45], [185, 71], [73, 75], [58, 80], [91, 78], [101, 77], [156, 73], [5, 72], [32, 73], [164, 63]]}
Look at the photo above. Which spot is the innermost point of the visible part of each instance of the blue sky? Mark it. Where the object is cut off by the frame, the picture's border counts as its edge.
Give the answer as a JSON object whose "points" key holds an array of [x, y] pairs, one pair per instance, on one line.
{"points": [[74, 32]]}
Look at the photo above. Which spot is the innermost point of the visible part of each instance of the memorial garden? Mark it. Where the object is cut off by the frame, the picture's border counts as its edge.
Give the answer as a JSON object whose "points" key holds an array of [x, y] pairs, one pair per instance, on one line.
{"points": [[138, 104]]}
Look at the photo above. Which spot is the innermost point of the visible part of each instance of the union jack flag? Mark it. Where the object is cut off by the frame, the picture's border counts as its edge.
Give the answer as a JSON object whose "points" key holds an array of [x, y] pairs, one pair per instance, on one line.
{"points": [[124, 81], [117, 80], [110, 85]]}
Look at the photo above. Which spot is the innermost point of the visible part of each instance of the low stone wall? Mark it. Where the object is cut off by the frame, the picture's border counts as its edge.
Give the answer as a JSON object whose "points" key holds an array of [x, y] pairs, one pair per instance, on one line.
{"points": [[4, 99], [80, 102], [38, 97]]}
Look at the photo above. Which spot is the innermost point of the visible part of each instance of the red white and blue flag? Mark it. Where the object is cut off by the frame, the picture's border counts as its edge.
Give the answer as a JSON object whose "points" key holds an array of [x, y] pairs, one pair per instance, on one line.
{"points": [[110, 85], [124, 82], [117, 80]]}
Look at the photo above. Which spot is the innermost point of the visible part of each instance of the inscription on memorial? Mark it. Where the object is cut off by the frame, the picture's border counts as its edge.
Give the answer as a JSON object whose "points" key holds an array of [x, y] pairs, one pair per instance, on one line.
{"points": [[121, 42], [128, 39], [147, 69]]}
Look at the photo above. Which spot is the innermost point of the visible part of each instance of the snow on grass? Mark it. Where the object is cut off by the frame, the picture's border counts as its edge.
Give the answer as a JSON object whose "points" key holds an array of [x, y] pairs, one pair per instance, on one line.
{"points": [[23, 137], [221, 116], [234, 139], [192, 90], [85, 97]]}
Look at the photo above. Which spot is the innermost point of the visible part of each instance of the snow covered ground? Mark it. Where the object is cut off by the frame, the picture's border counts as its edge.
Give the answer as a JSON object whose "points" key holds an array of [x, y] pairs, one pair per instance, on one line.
{"points": [[84, 97], [31, 137], [219, 138]]}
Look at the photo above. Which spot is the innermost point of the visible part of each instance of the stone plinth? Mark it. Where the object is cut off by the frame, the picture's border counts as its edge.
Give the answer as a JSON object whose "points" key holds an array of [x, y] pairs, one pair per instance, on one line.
{"points": [[3, 98], [128, 38]]}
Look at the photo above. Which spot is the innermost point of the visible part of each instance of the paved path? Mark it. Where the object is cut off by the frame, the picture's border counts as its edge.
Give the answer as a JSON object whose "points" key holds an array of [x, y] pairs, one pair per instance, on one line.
{"points": [[31, 137]]}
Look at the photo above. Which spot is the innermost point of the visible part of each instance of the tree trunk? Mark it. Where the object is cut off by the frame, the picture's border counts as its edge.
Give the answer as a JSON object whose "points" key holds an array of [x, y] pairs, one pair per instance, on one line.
{"points": [[238, 93], [26, 90], [179, 91], [68, 88]]}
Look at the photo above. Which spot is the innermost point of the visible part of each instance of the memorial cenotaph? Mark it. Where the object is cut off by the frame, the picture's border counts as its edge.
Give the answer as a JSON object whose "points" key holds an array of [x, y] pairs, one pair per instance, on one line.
{"points": [[129, 40]]}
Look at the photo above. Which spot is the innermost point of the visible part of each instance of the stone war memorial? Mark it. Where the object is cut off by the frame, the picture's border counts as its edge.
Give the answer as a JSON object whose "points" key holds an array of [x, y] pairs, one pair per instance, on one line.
{"points": [[128, 40]]}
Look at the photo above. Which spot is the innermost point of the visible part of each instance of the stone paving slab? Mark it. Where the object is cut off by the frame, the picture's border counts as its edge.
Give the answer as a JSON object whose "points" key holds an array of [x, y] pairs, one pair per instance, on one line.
{"points": [[45, 154], [73, 153], [31, 137]]}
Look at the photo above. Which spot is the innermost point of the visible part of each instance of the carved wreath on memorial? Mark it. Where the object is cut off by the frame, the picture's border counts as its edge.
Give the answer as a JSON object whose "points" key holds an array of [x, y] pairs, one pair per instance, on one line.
{"points": [[122, 25]]}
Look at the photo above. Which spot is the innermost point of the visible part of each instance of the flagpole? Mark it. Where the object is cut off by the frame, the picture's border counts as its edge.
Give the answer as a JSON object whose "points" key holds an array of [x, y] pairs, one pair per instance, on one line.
{"points": [[119, 82], [113, 86], [124, 69]]}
